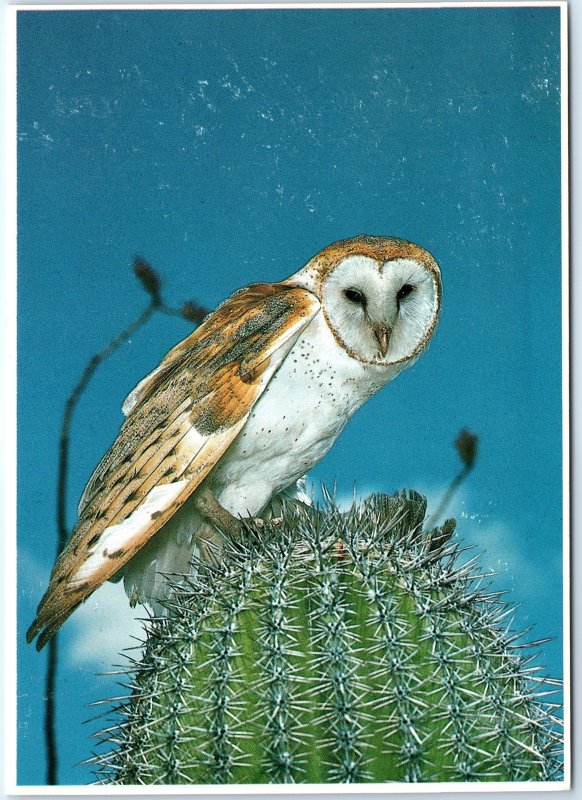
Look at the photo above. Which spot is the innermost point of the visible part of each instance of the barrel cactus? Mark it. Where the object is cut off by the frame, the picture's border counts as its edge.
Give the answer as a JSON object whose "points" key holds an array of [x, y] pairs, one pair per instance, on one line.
{"points": [[344, 647]]}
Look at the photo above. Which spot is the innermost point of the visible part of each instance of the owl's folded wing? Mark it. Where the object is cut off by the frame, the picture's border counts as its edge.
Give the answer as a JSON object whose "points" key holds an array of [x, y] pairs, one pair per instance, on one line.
{"points": [[181, 419]]}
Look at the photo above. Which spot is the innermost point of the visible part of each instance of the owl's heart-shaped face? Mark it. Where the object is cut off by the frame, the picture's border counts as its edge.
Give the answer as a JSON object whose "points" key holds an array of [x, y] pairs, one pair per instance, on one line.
{"points": [[380, 296], [382, 312]]}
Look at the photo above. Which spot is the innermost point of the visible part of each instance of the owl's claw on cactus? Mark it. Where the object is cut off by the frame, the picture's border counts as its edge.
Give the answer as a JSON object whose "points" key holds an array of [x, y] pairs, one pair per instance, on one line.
{"points": [[236, 528]]}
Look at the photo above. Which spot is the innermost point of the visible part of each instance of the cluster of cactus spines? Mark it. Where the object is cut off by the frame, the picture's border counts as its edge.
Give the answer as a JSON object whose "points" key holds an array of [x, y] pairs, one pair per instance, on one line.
{"points": [[344, 647]]}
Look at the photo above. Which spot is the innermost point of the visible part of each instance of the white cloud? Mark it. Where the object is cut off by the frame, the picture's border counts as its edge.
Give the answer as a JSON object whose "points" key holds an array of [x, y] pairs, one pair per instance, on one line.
{"points": [[104, 626], [497, 546], [500, 552], [500, 549]]}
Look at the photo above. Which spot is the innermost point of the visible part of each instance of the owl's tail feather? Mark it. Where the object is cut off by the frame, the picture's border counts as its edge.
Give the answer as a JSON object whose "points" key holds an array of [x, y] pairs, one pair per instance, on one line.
{"points": [[33, 630], [145, 575], [96, 552], [53, 610], [45, 625], [66, 591], [46, 631]]}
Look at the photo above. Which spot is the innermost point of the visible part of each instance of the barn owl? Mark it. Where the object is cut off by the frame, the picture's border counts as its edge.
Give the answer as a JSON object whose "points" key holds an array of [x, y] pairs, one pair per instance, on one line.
{"points": [[238, 412]]}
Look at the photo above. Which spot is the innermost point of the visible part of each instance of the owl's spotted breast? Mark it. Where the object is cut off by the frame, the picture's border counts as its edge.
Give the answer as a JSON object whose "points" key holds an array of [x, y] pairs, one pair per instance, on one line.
{"points": [[328, 386]]}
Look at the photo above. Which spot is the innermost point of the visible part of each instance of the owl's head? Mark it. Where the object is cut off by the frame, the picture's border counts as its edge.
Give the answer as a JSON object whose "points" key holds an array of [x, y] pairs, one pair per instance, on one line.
{"points": [[380, 296]]}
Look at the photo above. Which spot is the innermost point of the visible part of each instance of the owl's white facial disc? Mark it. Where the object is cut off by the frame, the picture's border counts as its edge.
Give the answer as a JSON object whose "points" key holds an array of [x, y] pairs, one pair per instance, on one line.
{"points": [[382, 313]]}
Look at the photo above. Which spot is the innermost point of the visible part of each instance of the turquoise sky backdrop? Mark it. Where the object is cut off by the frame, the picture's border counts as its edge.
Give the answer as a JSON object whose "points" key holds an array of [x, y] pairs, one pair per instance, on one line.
{"points": [[227, 147]]}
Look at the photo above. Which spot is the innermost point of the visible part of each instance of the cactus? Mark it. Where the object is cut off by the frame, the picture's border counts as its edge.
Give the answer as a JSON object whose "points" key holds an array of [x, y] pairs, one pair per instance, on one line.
{"points": [[346, 647]]}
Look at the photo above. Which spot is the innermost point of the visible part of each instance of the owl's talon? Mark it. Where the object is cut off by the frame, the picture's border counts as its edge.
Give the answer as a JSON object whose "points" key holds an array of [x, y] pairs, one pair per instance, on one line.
{"points": [[236, 528]]}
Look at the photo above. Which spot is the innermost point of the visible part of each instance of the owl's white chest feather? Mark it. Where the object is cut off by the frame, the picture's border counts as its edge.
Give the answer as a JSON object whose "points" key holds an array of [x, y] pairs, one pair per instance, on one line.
{"points": [[292, 426], [296, 420]]}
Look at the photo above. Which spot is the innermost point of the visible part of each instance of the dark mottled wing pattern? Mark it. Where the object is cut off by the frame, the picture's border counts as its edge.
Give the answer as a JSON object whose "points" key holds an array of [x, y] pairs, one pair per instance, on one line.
{"points": [[181, 419]]}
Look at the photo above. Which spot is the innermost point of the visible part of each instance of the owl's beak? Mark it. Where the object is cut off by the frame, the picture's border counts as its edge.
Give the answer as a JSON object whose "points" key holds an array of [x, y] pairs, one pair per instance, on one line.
{"points": [[382, 334]]}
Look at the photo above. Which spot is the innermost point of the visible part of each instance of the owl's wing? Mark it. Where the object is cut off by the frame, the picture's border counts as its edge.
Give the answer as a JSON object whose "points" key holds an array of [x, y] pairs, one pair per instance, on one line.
{"points": [[181, 419]]}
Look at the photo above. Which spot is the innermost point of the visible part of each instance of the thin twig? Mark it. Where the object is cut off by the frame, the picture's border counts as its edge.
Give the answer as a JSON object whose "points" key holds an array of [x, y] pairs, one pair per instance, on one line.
{"points": [[62, 529], [466, 443], [447, 497], [49, 714]]}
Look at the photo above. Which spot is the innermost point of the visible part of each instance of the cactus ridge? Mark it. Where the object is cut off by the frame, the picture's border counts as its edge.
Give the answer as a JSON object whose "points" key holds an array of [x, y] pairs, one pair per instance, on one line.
{"points": [[346, 647]]}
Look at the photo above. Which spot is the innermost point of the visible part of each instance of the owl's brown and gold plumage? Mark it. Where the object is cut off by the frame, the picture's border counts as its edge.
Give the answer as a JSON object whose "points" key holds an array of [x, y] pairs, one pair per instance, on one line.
{"points": [[241, 409]]}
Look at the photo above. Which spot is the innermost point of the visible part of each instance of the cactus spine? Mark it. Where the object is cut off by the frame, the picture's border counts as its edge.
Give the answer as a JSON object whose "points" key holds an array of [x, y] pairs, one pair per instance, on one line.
{"points": [[345, 648]]}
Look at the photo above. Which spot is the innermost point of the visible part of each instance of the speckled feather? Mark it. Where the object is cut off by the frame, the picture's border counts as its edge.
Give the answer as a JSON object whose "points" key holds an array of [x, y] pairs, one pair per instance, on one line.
{"points": [[181, 420]]}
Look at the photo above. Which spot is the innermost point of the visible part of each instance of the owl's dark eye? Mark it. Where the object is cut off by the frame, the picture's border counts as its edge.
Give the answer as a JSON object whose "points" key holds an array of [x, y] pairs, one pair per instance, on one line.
{"points": [[404, 291], [354, 296]]}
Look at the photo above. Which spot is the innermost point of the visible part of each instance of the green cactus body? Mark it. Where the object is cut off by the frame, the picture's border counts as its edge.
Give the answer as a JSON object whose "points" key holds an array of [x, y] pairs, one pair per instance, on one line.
{"points": [[345, 648]]}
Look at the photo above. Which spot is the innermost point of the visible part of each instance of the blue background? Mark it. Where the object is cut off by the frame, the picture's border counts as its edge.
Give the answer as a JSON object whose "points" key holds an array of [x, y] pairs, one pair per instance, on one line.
{"points": [[228, 147]]}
